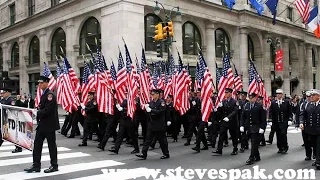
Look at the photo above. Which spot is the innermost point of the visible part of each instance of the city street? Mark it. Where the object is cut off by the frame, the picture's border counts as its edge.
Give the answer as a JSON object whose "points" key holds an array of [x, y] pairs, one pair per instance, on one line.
{"points": [[90, 163]]}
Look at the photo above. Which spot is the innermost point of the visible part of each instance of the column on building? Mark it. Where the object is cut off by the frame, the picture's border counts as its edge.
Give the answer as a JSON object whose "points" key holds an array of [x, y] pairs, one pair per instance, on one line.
{"points": [[122, 21], [72, 51], [286, 67], [177, 45], [43, 48], [210, 49], [266, 63], [301, 77], [244, 60], [6, 56], [23, 76], [309, 73]]}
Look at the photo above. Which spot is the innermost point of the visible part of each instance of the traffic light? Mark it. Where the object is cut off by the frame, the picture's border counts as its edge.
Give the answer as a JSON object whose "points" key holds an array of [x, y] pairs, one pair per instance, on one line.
{"points": [[158, 32], [170, 28], [165, 31], [159, 50]]}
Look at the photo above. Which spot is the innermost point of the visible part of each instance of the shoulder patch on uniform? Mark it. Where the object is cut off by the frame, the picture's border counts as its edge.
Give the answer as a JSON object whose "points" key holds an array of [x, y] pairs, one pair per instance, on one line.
{"points": [[163, 103], [50, 96]]}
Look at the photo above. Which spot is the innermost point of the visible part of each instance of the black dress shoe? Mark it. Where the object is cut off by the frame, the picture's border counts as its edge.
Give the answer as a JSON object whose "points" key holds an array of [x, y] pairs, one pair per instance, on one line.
{"points": [[280, 151], [226, 145], [17, 150], [313, 164], [262, 144], [51, 169], [71, 136], [217, 152], [269, 142], [32, 169], [234, 152], [165, 157], [142, 156], [196, 149], [285, 150], [204, 148], [113, 150], [302, 145], [307, 159], [242, 150], [246, 147], [83, 144], [257, 158], [313, 157], [249, 161], [187, 144], [100, 147], [135, 151]]}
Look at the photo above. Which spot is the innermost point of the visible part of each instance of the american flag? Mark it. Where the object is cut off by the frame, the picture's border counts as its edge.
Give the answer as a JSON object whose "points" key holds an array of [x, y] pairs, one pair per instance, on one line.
{"points": [[168, 88], [252, 81], [121, 84], [132, 85], [303, 7], [87, 84], [206, 90], [51, 85], [113, 73], [154, 77], [226, 79], [59, 84], [144, 81], [75, 83], [197, 78], [237, 80]]}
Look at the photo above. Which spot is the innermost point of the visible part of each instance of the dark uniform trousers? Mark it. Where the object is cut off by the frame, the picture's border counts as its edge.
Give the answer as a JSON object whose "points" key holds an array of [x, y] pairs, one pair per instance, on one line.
{"points": [[109, 131], [127, 127], [89, 128], [67, 123], [201, 137], [316, 141], [309, 145], [224, 136], [255, 141], [271, 134], [158, 135], [281, 132], [38, 144]]}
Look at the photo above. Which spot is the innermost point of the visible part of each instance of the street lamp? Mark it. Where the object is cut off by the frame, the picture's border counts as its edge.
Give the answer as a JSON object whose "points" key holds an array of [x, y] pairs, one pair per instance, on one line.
{"points": [[157, 11]]}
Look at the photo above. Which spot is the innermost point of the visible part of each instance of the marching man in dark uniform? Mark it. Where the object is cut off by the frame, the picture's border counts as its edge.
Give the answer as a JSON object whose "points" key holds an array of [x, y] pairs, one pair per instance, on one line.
{"points": [[243, 135], [7, 100], [230, 108], [310, 123], [156, 110], [281, 114], [253, 120], [48, 123]]}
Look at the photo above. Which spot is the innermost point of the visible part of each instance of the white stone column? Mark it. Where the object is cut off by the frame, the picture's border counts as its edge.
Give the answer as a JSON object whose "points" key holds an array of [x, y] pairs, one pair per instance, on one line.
{"points": [[70, 42], [43, 48], [23, 76], [122, 20], [286, 64], [266, 64], [301, 69], [210, 50], [244, 60], [308, 72], [177, 30], [6, 57]]}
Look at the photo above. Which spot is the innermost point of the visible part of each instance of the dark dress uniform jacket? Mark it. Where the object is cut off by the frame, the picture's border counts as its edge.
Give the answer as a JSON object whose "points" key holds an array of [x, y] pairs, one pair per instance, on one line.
{"points": [[194, 113], [230, 110], [91, 110], [8, 101], [310, 118], [253, 119], [282, 114], [47, 114], [157, 115]]}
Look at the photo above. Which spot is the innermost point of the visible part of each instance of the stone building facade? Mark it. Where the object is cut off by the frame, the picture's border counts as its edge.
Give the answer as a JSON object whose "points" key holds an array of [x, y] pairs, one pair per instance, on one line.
{"points": [[32, 31]]}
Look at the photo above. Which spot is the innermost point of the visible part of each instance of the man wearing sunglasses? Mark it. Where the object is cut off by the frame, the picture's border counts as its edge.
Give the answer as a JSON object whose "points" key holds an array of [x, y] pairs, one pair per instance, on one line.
{"points": [[156, 110]]}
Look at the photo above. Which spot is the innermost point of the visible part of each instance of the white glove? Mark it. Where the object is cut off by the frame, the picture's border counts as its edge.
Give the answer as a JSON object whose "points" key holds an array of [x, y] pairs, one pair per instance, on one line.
{"points": [[120, 108], [209, 123], [289, 123], [241, 129], [148, 109], [67, 113], [146, 106], [226, 119], [168, 123], [83, 106], [34, 111], [215, 109], [220, 104], [194, 103], [0, 105], [261, 131]]}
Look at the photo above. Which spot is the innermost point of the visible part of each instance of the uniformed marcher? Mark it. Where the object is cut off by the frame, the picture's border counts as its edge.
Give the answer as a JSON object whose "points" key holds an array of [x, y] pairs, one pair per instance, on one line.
{"points": [[253, 120], [243, 135], [281, 115], [6, 100], [230, 108], [48, 123], [262, 140], [215, 119], [91, 121], [156, 125], [310, 123]]}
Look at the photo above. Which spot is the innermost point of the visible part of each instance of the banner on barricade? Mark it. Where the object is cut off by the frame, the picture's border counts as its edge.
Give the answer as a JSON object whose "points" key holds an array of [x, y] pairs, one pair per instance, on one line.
{"points": [[17, 126]]}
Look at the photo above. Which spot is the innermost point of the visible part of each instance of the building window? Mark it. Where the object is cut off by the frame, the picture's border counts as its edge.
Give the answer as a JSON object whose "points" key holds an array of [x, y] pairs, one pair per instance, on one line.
{"points": [[290, 13], [314, 81], [58, 40], [54, 2], [222, 42], [313, 58], [190, 38], [33, 83], [89, 33], [1, 59], [31, 7], [15, 55], [34, 51], [12, 14], [250, 48], [150, 20]]}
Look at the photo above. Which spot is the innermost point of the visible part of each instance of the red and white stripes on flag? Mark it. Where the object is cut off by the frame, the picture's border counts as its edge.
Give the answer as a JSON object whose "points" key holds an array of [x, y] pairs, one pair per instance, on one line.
{"points": [[132, 93], [253, 88], [303, 7], [206, 93], [121, 84]]}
